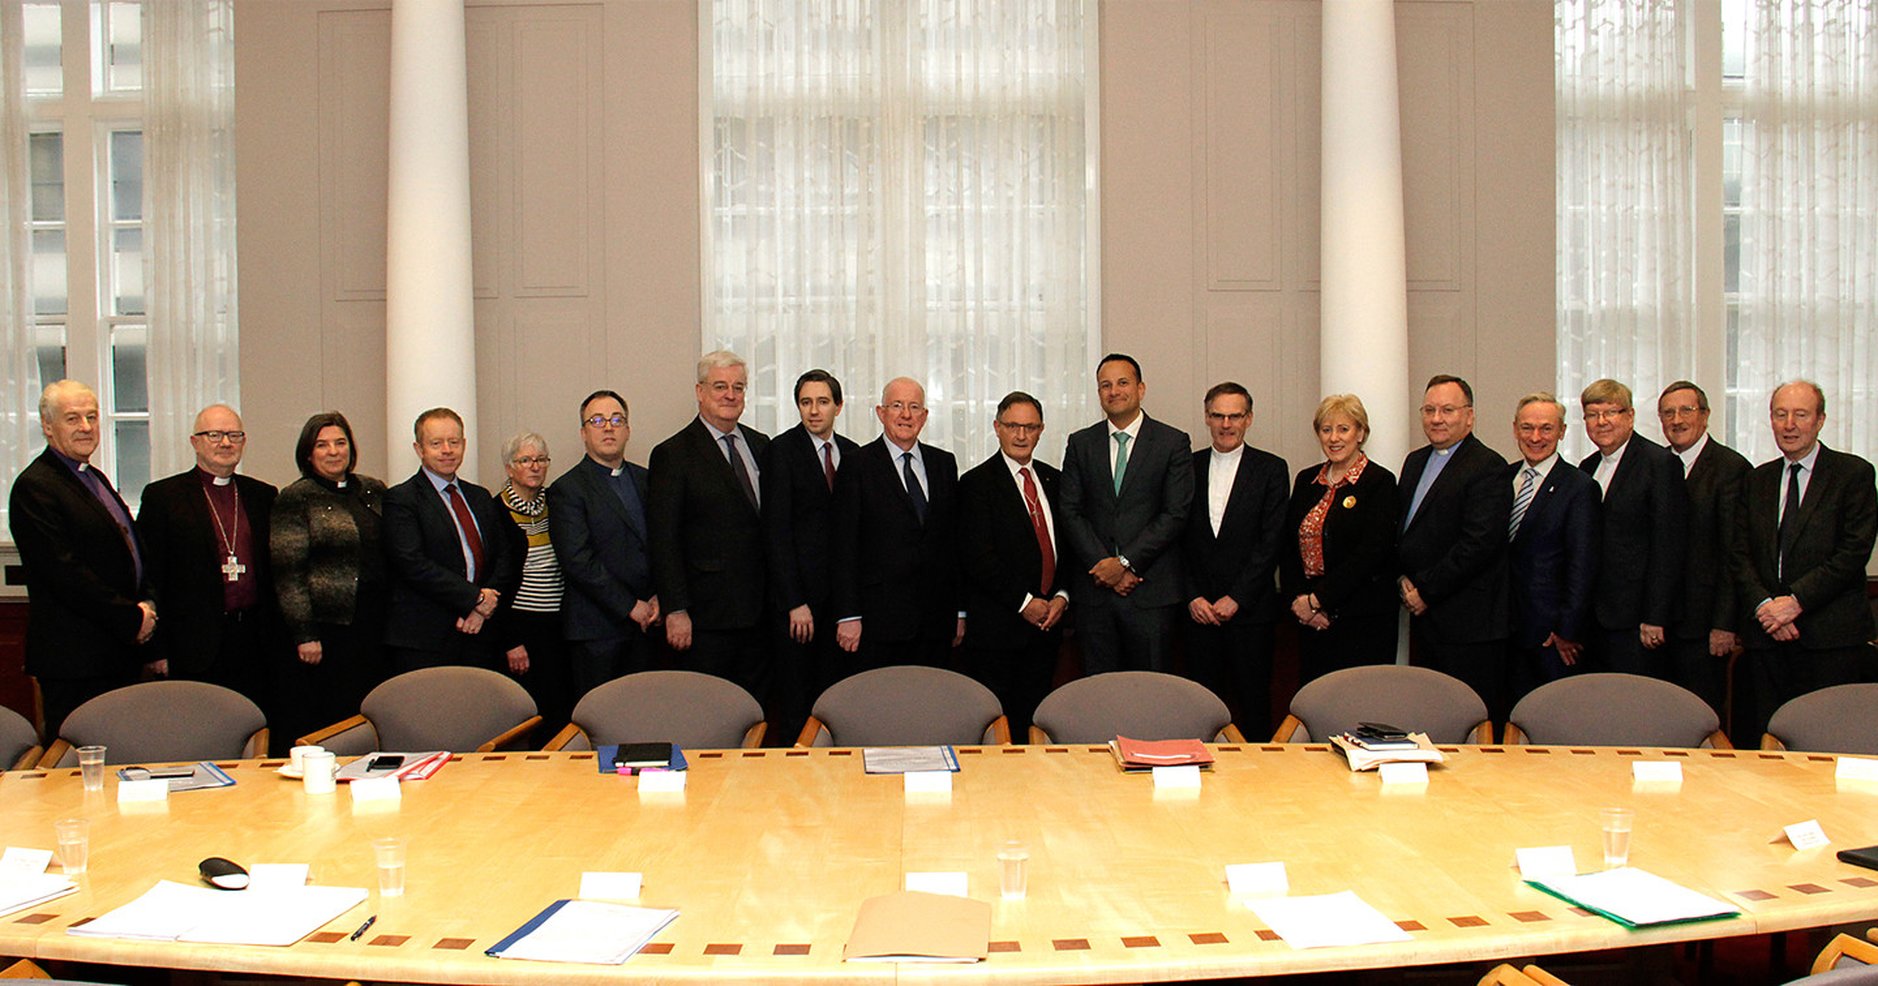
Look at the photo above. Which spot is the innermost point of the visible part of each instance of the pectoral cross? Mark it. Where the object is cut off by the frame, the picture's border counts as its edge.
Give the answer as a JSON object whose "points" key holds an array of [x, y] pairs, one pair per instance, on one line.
{"points": [[233, 568]]}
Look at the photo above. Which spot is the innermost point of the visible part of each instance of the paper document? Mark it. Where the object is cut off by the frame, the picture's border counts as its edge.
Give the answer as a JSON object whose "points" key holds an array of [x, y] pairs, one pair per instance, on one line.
{"points": [[199, 777], [1361, 759], [584, 931], [920, 927], [173, 911], [20, 889], [909, 759], [1327, 919], [1635, 898], [1139, 755], [415, 766]]}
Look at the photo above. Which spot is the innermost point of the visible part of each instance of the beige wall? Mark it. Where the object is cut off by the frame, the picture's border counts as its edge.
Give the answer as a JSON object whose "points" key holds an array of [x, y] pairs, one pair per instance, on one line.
{"points": [[585, 188]]}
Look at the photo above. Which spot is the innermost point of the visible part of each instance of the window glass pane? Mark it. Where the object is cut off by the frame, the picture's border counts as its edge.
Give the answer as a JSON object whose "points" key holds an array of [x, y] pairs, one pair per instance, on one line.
{"points": [[1731, 162], [123, 59], [133, 458], [49, 350], [126, 175], [48, 272], [127, 271], [1731, 252], [39, 23], [47, 154], [130, 386], [1734, 38]]}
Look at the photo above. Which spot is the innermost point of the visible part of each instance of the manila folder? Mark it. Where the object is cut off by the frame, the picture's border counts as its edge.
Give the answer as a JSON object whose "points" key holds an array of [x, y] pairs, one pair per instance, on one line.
{"points": [[914, 927]]}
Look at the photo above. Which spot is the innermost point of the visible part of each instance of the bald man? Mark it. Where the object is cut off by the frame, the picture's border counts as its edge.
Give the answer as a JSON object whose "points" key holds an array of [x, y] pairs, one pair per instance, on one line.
{"points": [[205, 536]]}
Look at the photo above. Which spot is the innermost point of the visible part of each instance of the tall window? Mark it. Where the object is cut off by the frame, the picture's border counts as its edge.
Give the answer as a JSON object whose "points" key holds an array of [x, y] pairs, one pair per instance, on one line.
{"points": [[904, 187], [118, 250], [1718, 205]]}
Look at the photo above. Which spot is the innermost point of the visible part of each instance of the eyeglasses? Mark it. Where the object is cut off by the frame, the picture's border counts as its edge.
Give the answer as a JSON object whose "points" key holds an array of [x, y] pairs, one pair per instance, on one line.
{"points": [[1227, 418], [1020, 427], [1683, 411], [1445, 410], [903, 407], [530, 460], [1606, 415], [216, 437], [600, 421]]}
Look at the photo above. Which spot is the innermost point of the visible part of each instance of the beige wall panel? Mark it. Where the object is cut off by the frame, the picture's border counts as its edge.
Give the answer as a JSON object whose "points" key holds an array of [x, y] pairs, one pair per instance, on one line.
{"points": [[355, 64], [353, 355], [1238, 86], [490, 139], [1435, 45], [1242, 345], [548, 355], [1298, 391], [556, 152], [1304, 180]]}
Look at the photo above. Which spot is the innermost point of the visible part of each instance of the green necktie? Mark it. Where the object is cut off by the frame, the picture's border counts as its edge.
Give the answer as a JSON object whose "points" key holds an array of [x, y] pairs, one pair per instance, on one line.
{"points": [[1121, 460]]}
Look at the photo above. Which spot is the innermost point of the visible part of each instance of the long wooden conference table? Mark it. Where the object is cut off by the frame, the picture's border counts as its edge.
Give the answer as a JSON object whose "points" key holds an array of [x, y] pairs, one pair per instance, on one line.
{"points": [[768, 854]]}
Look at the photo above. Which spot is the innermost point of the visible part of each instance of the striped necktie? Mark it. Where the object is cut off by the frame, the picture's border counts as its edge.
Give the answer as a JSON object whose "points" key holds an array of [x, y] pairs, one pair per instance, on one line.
{"points": [[1528, 483]]}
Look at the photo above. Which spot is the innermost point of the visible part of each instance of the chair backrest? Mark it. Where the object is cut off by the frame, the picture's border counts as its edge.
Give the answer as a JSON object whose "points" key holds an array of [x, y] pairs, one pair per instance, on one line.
{"points": [[1145, 705], [1416, 699], [907, 705], [447, 708], [692, 710], [165, 720], [17, 738], [1611, 709], [1838, 719]]}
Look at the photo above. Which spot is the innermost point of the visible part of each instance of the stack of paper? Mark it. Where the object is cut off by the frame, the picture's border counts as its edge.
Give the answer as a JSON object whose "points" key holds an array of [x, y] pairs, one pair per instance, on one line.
{"points": [[584, 931], [919, 927], [1361, 759], [1134, 754], [908, 759], [1635, 898], [173, 911], [416, 766], [200, 777], [21, 889]]}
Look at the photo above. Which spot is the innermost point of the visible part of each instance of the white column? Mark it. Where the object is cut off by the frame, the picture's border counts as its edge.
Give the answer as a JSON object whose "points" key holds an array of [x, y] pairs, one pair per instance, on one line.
{"points": [[430, 324], [1364, 319]]}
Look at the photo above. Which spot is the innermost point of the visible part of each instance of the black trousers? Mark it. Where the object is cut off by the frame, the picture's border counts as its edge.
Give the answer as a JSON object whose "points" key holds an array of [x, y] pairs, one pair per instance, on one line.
{"points": [[1351, 641], [1019, 676], [1622, 650], [1787, 671], [742, 655], [1117, 635], [1235, 661], [1481, 664], [592, 663], [550, 673]]}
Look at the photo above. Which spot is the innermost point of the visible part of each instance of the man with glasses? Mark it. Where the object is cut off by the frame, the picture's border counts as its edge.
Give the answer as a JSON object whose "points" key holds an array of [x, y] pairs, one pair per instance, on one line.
{"points": [[896, 570], [1008, 559], [451, 557], [1704, 636], [1552, 556], [1451, 546], [1233, 532], [598, 527], [1644, 513], [205, 545]]}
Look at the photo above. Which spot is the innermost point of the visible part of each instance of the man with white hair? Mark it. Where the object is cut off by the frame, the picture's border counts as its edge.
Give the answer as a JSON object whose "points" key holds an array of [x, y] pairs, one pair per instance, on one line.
{"points": [[92, 607]]}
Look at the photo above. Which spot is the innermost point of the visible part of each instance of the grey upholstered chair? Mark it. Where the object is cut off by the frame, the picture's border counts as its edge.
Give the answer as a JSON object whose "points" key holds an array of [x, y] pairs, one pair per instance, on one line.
{"points": [[1417, 699], [163, 721], [1844, 961], [905, 705], [1144, 705], [1612, 709], [19, 743], [692, 710], [460, 709], [1838, 719]]}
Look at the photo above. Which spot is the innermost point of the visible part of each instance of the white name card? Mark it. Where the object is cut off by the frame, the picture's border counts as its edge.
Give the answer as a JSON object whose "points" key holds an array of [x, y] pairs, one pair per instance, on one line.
{"points": [[1856, 769], [1656, 772], [928, 781], [1257, 879], [946, 883], [1403, 774], [144, 791], [1542, 862], [599, 885], [18, 859], [1187, 776], [272, 876], [376, 791], [661, 782], [1805, 835]]}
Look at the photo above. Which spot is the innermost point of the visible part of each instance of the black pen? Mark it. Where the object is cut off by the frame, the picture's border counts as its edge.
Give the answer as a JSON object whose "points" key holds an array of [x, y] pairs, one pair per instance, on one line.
{"points": [[362, 927]]}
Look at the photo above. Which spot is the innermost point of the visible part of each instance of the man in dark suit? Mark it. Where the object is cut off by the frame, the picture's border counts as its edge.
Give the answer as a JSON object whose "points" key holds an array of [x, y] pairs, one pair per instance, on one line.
{"points": [[598, 527], [896, 561], [1008, 554], [205, 536], [1644, 515], [1704, 636], [1233, 531], [1127, 489], [1553, 556], [707, 533], [1451, 546], [799, 469], [450, 555], [1810, 520], [91, 605]]}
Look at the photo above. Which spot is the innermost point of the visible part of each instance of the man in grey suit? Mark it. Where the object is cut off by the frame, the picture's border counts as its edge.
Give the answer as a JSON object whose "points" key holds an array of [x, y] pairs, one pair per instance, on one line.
{"points": [[1127, 489], [1810, 520]]}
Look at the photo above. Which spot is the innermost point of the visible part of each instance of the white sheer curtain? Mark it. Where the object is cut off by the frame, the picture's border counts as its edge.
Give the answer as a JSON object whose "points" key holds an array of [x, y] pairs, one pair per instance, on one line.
{"points": [[189, 218], [1625, 307], [903, 187], [19, 375], [1809, 216]]}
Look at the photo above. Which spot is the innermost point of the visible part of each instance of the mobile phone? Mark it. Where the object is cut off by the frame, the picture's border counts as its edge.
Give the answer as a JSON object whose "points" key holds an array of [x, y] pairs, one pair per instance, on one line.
{"points": [[1866, 857], [1380, 730], [386, 761]]}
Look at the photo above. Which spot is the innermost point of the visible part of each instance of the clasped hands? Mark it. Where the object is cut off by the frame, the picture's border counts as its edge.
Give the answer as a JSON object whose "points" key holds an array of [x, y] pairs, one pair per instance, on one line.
{"points": [[1777, 616], [472, 622], [1308, 613], [1045, 613], [1111, 574]]}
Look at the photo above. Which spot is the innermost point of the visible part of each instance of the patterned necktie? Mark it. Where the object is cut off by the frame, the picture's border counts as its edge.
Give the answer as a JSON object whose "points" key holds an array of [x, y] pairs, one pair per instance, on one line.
{"points": [[1035, 507], [1121, 459], [741, 471], [471, 536], [914, 491], [828, 464], [1528, 480], [1789, 517]]}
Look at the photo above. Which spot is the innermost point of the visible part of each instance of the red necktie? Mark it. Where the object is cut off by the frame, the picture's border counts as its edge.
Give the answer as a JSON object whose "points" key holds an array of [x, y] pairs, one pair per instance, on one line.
{"points": [[468, 524], [1035, 508], [828, 464]]}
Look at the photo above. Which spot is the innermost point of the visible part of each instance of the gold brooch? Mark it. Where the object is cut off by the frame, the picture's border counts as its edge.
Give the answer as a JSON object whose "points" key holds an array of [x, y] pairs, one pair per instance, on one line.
{"points": [[1348, 502]]}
